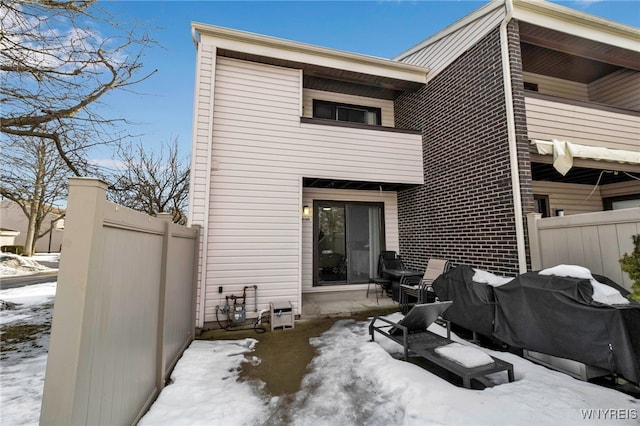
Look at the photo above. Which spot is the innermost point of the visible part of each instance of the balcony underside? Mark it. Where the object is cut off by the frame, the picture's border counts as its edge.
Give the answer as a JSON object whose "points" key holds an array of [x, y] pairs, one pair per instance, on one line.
{"points": [[585, 175], [353, 184]]}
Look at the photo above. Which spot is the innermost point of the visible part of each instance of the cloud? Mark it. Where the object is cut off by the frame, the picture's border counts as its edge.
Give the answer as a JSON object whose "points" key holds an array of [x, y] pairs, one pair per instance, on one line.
{"points": [[108, 163]]}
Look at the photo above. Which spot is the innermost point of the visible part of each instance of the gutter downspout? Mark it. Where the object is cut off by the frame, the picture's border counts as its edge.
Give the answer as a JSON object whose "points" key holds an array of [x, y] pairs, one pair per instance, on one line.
{"points": [[511, 135]]}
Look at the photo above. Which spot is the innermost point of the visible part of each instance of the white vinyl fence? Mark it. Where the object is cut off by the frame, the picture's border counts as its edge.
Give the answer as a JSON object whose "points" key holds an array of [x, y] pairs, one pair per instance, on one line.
{"points": [[124, 310], [594, 240]]}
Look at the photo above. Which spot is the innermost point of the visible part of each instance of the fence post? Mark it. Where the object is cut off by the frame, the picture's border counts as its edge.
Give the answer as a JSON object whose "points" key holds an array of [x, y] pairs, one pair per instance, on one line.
{"points": [[534, 240], [65, 388], [161, 361]]}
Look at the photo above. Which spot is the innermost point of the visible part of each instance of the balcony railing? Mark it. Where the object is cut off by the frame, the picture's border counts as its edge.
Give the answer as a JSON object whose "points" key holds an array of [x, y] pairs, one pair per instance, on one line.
{"points": [[550, 117]]}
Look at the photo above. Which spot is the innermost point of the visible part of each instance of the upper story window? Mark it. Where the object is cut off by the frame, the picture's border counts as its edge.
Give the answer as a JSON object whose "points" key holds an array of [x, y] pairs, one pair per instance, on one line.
{"points": [[344, 112]]}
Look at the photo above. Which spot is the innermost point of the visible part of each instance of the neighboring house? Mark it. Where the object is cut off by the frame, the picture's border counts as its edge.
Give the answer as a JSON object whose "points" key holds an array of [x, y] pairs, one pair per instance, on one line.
{"points": [[8, 237], [12, 217], [308, 161]]}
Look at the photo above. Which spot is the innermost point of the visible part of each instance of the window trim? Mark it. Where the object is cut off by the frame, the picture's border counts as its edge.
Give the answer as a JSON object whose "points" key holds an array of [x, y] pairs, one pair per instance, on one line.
{"points": [[545, 199], [607, 202]]}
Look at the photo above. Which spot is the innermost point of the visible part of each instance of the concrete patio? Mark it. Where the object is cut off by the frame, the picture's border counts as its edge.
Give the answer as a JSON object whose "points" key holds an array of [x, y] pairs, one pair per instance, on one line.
{"points": [[344, 303]]}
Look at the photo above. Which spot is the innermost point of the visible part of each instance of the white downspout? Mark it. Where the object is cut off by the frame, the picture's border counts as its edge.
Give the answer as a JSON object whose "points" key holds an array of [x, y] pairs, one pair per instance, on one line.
{"points": [[511, 135]]}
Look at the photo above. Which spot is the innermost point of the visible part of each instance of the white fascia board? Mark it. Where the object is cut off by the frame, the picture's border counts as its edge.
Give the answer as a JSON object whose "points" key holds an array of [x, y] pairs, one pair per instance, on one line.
{"points": [[464, 21], [567, 20], [257, 44]]}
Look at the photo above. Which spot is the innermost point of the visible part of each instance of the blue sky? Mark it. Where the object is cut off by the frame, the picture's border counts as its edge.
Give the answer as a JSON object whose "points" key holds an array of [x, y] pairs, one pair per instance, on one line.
{"points": [[163, 105]]}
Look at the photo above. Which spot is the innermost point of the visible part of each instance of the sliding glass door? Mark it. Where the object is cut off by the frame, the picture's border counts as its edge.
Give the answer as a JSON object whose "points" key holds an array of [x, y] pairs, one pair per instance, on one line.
{"points": [[348, 237]]}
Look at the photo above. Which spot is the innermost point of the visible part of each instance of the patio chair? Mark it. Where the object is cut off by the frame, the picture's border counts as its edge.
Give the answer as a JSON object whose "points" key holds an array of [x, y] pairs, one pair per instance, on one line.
{"points": [[391, 258], [393, 268], [421, 289], [412, 334]]}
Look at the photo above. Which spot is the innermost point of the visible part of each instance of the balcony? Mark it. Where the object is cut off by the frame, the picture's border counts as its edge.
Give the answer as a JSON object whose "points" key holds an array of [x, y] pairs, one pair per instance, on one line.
{"points": [[361, 152], [586, 123]]}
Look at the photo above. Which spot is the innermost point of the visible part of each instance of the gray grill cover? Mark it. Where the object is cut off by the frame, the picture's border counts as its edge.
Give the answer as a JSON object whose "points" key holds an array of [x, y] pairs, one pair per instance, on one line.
{"points": [[557, 316], [473, 303]]}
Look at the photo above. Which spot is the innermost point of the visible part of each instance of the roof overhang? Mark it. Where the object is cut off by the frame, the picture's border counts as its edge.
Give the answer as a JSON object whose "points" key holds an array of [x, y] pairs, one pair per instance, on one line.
{"points": [[313, 60], [552, 16], [576, 23]]}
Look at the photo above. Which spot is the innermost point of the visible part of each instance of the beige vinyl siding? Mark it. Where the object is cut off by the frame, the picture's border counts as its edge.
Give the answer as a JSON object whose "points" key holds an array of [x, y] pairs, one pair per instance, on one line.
{"points": [[558, 87], [201, 155], [390, 226], [620, 189], [570, 197], [582, 124], [385, 106], [261, 151], [621, 89], [437, 55]]}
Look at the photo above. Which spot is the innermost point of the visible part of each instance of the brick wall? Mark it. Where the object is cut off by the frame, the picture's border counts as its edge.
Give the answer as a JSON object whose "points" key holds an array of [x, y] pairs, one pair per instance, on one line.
{"points": [[464, 211]]}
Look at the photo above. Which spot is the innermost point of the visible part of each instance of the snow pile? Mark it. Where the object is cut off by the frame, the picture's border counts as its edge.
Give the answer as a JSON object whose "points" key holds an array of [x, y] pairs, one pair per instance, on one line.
{"points": [[486, 277], [601, 292], [467, 356], [206, 390], [12, 264]]}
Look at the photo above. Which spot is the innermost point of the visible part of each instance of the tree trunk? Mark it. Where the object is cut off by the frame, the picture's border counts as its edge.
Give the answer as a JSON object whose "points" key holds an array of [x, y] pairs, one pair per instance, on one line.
{"points": [[30, 242]]}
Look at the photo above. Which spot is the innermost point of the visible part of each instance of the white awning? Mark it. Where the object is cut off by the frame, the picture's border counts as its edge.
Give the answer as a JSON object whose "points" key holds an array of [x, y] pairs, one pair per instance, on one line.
{"points": [[564, 152]]}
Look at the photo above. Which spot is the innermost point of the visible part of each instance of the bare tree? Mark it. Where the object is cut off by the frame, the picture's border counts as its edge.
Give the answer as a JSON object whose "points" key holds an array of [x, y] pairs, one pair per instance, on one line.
{"points": [[34, 177], [55, 67], [152, 182]]}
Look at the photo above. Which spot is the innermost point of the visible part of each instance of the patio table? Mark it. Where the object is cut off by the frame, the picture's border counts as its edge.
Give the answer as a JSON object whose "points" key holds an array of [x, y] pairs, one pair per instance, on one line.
{"points": [[398, 276]]}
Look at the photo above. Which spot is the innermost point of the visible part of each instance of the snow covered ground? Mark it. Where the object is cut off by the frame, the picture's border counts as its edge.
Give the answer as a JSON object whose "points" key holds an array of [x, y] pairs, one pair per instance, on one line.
{"points": [[354, 381], [351, 381], [25, 321]]}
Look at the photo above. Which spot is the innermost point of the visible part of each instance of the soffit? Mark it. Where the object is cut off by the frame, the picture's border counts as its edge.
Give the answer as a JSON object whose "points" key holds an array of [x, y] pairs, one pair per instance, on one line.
{"points": [[574, 46], [540, 60], [357, 89], [575, 23]]}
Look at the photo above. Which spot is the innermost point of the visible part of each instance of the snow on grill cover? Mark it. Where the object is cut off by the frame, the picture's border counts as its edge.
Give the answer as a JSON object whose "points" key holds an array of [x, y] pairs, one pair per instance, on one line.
{"points": [[473, 302], [548, 314]]}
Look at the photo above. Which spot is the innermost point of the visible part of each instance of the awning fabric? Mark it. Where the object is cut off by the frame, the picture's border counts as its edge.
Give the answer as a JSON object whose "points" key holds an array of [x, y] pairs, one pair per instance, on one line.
{"points": [[564, 152]]}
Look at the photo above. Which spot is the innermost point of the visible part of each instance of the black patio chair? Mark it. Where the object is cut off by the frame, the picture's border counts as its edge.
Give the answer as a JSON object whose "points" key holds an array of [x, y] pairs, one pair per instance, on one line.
{"points": [[386, 260]]}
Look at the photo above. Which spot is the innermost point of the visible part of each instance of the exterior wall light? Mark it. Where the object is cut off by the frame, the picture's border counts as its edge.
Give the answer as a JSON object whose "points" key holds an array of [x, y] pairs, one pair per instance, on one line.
{"points": [[306, 212]]}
